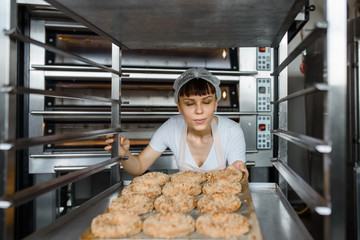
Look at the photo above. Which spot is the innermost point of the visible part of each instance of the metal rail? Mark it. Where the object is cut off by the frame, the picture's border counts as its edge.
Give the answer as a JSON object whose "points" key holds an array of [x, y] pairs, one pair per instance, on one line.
{"points": [[64, 68], [22, 143], [116, 57], [70, 155], [86, 23], [13, 33], [59, 94], [319, 87], [313, 199], [138, 70], [124, 115], [56, 24], [319, 31], [30, 193], [89, 210], [59, 113], [310, 143]]}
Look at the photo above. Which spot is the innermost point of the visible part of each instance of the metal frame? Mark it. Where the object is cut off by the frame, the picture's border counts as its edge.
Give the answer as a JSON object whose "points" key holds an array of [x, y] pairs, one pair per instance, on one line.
{"points": [[335, 123], [9, 197], [96, 204], [139, 70], [318, 32], [353, 167], [59, 94], [332, 203], [282, 109], [8, 64], [30, 193], [312, 198], [28, 142], [310, 143], [13, 33], [115, 109], [319, 87]]}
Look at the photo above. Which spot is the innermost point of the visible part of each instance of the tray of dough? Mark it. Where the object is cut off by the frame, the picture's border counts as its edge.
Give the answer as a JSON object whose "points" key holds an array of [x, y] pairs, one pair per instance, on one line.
{"points": [[246, 209]]}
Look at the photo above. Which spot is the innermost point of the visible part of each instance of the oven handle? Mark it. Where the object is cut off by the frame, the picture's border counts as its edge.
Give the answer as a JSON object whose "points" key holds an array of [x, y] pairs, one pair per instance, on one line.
{"points": [[250, 163], [58, 169]]}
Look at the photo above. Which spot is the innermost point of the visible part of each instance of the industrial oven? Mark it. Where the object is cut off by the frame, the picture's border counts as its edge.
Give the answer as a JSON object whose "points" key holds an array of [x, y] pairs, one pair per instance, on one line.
{"points": [[147, 95], [80, 81]]}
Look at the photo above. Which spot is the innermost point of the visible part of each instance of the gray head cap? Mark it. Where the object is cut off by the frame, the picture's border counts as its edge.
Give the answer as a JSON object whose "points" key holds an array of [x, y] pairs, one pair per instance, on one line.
{"points": [[193, 73]]}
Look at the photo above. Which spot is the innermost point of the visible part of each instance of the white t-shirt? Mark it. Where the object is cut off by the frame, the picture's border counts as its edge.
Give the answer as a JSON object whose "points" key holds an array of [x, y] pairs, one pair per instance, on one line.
{"points": [[231, 137]]}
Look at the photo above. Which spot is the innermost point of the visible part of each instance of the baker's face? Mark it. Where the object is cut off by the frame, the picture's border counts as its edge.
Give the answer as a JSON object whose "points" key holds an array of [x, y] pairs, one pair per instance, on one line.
{"points": [[198, 111]]}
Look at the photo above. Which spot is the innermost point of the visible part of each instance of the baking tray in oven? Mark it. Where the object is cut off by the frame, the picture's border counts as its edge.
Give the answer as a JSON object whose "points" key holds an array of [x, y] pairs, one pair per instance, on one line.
{"points": [[276, 217], [246, 209]]}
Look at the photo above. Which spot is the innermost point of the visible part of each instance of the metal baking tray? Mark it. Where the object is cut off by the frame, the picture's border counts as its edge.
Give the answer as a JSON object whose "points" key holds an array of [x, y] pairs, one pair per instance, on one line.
{"points": [[246, 209], [277, 219]]}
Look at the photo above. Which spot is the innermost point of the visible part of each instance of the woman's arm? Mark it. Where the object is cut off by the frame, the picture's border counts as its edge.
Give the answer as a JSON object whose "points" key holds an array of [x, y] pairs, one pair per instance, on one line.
{"points": [[135, 165]]}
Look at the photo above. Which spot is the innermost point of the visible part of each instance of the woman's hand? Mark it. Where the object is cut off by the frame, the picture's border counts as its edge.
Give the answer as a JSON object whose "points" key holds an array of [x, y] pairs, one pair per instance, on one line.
{"points": [[124, 144], [135, 164], [239, 165]]}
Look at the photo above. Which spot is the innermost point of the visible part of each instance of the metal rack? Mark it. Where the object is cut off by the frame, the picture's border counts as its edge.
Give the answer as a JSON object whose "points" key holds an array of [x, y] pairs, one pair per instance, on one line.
{"points": [[10, 143], [330, 205]]}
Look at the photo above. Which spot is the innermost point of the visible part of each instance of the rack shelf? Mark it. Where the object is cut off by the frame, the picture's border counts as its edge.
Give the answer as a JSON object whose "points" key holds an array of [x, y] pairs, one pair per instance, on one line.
{"points": [[59, 94], [310, 143], [319, 87], [30, 193], [313, 199], [180, 24], [319, 31], [22, 143]]}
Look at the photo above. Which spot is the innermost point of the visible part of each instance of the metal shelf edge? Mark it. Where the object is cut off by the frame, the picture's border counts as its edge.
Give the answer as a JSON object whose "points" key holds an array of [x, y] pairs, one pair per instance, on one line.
{"points": [[97, 206], [312, 198], [316, 33], [310, 143]]}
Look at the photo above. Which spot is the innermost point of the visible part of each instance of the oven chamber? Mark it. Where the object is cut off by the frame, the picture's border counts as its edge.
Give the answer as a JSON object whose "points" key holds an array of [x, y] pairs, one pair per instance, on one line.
{"points": [[256, 99]]}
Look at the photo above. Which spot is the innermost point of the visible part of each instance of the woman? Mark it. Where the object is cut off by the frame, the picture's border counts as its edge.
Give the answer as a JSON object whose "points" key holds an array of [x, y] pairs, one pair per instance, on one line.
{"points": [[199, 140]]}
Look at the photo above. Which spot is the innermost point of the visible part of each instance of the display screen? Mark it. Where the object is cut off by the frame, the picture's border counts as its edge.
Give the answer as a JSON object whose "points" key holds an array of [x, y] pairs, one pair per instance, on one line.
{"points": [[262, 89], [262, 127], [262, 49]]}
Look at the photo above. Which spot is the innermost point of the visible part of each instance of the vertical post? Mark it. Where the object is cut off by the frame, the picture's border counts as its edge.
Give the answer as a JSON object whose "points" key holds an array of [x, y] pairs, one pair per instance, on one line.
{"points": [[335, 121], [356, 160], [283, 108], [45, 205], [8, 66], [115, 109], [357, 203]]}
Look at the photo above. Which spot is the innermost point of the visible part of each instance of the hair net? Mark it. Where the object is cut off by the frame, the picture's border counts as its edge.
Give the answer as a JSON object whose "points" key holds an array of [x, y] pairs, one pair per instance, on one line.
{"points": [[193, 73]]}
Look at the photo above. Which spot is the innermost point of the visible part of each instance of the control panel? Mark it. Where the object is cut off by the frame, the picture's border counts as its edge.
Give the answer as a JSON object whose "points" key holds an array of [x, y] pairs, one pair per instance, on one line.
{"points": [[263, 59], [256, 92], [263, 94], [263, 132]]}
